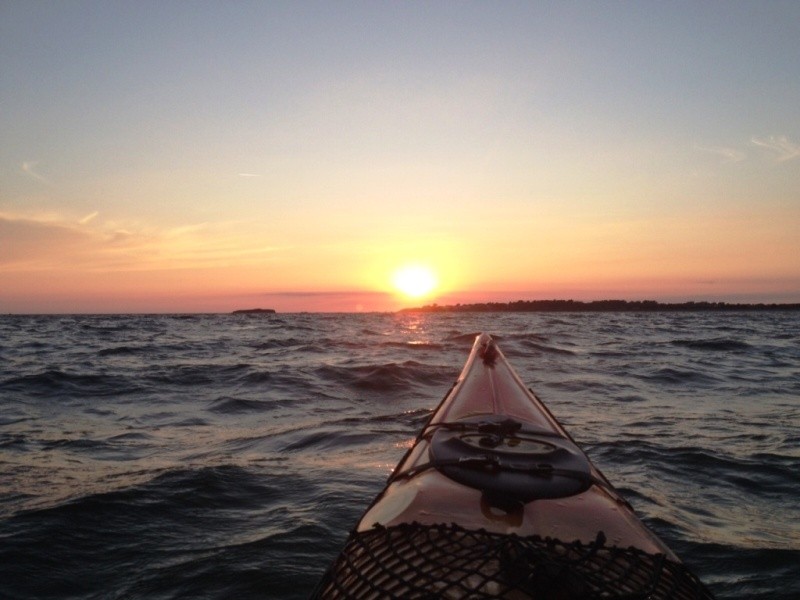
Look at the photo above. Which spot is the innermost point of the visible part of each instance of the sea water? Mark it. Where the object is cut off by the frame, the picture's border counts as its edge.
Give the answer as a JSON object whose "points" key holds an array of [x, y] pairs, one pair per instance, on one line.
{"points": [[228, 456]]}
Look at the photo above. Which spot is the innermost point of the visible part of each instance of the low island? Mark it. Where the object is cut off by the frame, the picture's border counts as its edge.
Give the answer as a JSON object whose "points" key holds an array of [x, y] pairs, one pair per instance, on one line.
{"points": [[597, 306], [255, 311]]}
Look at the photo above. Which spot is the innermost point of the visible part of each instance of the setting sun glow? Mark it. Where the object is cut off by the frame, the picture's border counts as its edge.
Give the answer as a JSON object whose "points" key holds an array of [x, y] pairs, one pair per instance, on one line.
{"points": [[415, 281], [332, 169]]}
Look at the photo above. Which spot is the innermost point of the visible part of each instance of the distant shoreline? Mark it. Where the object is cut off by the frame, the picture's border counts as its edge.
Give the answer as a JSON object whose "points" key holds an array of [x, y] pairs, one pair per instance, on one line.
{"points": [[254, 311], [598, 306]]}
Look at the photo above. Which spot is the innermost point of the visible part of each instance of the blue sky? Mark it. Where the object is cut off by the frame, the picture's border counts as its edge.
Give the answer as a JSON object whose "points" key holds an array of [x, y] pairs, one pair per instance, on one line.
{"points": [[633, 149]]}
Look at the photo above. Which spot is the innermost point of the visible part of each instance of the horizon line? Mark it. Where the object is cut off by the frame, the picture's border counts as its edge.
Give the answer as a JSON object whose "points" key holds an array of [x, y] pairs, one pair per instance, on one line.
{"points": [[436, 307]]}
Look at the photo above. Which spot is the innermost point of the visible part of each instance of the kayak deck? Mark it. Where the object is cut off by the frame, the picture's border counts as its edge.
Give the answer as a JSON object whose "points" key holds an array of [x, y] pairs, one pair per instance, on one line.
{"points": [[495, 499], [447, 561]]}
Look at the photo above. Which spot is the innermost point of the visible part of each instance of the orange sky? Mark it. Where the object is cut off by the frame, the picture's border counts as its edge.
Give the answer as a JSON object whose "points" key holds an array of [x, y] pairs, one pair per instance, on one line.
{"points": [[162, 159]]}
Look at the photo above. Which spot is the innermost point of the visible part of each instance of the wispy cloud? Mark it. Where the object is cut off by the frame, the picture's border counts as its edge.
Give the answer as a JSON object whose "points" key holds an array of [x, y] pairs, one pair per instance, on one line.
{"points": [[31, 243], [728, 155], [42, 242], [29, 168], [782, 148], [88, 218]]}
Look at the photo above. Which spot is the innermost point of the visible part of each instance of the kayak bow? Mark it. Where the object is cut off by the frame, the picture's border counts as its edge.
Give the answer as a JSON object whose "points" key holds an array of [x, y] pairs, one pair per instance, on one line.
{"points": [[495, 500]]}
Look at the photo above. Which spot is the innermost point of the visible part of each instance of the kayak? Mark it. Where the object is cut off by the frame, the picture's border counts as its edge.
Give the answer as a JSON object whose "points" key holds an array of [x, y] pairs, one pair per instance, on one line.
{"points": [[496, 500]]}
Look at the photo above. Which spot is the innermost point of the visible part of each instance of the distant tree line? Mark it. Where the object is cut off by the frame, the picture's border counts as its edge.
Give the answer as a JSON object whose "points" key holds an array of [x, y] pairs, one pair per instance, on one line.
{"points": [[598, 306]]}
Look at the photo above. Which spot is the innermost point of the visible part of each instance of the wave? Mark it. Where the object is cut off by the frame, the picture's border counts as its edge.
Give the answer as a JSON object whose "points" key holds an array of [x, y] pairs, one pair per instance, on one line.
{"points": [[167, 493], [755, 573], [671, 376], [465, 338], [280, 343], [630, 398], [547, 349], [54, 382], [198, 374], [162, 531], [84, 444], [232, 406], [390, 377], [758, 474], [221, 457], [122, 351], [13, 440], [327, 439], [714, 345], [407, 422], [414, 345]]}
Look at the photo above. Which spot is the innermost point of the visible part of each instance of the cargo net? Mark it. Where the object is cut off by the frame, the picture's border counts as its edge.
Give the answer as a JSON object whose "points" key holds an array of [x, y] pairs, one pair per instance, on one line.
{"points": [[447, 561]]}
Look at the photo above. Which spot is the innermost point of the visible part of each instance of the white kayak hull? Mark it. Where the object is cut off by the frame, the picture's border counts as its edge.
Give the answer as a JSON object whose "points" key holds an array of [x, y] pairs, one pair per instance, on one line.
{"points": [[494, 499]]}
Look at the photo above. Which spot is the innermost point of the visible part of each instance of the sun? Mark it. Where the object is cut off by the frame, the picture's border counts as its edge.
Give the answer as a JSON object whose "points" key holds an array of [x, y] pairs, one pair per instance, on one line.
{"points": [[415, 281]]}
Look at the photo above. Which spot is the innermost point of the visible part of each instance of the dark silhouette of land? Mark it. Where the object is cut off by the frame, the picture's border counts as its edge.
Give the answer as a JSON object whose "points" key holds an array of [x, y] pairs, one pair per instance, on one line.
{"points": [[255, 311], [599, 306]]}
